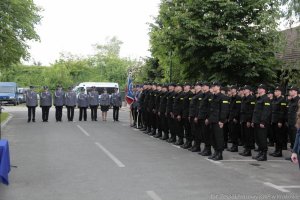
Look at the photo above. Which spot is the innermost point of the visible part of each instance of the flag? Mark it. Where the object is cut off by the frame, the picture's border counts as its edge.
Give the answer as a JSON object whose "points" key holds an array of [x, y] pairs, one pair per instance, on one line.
{"points": [[129, 91]]}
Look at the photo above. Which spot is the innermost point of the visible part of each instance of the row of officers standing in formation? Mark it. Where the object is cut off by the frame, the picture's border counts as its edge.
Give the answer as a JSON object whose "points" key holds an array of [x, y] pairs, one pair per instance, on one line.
{"points": [[188, 115], [70, 99]]}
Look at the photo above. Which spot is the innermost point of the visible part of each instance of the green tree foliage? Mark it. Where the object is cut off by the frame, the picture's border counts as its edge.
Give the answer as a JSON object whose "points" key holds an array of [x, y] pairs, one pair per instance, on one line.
{"points": [[105, 66], [18, 19], [233, 41]]}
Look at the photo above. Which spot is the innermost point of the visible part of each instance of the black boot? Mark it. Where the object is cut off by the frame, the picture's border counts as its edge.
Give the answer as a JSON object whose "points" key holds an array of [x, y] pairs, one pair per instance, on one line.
{"points": [[258, 155], [179, 142], [158, 134], [219, 156], [171, 139], [187, 144], [234, 148], [206, 152], [278, 153], [246, 153], [166, 136], [196, 148], [263, 157], [213, 155]]}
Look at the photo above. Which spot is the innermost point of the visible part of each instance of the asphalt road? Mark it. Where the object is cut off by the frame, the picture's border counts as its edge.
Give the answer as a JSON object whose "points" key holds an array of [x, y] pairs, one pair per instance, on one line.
{"points": [[111, 161]]}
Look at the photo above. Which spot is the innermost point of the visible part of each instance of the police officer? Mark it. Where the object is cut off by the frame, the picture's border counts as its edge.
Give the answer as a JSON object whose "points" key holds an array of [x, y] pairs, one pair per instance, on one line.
{"points": [[169, 112], [70, 103], [59, 102], [156, 111], [148, 91], [116, 102], [162, 112], [142, 108], [234, 118], [261, 121], [219, 109], [185, 116], [151, 109], [139, 117], [45, 103], [31, 103], [203, 115], [177, 114], [82, 103], [278, 120], [93, 97], [292, 113], [193, 117], [247, 108]]}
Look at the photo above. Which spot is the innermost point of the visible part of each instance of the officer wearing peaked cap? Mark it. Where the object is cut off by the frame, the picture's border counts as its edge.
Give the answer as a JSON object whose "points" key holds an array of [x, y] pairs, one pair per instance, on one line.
{"points": [[82, 103], [71, 101], [261, 121], [45, 103], [247, 108], [279, 108], [93, 98], [177, 114], [170, 114], [116, 102], [31, 103], [59, 102], [162, 112]]}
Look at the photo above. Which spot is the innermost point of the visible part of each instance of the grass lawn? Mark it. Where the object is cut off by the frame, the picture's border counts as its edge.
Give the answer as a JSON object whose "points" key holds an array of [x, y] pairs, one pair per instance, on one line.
{"points": [[4, 116]]}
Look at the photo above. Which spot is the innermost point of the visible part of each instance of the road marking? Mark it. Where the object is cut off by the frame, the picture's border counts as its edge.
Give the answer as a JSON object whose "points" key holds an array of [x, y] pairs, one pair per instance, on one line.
{"points": [[84, 131], [153, 195], [110, 155], [253, 161], [215, 162], [6, 121], [280, 188]]}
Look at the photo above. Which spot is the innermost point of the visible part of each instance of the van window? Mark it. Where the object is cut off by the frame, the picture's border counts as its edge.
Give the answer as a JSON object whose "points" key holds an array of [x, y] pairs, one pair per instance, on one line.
{"points": [[7, 89]]}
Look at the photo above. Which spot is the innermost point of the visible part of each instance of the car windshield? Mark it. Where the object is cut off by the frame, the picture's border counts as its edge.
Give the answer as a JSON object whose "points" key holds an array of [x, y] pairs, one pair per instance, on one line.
{"points": [[7, 89]]}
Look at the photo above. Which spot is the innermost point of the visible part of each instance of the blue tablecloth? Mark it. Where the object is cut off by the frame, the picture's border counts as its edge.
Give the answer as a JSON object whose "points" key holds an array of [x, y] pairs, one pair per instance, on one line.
{"points": [[4, 161]]}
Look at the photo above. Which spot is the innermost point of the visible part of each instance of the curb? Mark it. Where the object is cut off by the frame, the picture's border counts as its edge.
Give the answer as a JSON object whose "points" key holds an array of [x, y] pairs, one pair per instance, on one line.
{"points": [[6, 121]]}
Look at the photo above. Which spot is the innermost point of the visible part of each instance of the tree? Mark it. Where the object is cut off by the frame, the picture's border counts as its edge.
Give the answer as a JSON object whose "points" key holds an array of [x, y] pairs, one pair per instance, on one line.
{"points": [[232, 41], [18, 19]]}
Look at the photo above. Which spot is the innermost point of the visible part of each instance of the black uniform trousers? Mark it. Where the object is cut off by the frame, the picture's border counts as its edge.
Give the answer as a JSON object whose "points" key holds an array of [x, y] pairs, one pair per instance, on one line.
{"points": [[187, 129], [31, 112], [158, 123], [248, 135], [279, 136], [94, 112], [196, 131], [226, 131], [58, 112], [261, 137], [45, 113], [179, 128], [164, 123], [205, 133], [70, 113], [292, 131], [82, 113], [234, 132], [171, 125], [217, 137], [116, 113], [153, 120]]}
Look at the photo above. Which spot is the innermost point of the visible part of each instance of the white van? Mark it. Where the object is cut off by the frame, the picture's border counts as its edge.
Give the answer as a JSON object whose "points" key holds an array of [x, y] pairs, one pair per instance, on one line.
{"points": [[100, 86]]}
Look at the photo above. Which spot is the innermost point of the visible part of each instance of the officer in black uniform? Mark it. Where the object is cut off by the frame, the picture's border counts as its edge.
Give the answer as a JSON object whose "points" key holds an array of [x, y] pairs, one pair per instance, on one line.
{"points": [[151, 109], [169, 112], [247, 108], [203, 114], [185, 116], [292, 114], [148, 91], [278, 120], [261, 121], [177, 114], [234, 118], [162, 112], [219, 110], [45, 103], [193, 117], [156, 111]]}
